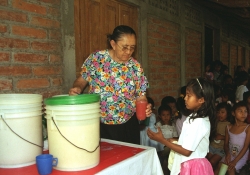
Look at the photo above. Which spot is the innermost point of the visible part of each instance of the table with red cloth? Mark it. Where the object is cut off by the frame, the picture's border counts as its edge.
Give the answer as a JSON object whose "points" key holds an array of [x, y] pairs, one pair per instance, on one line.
{"points": [[115, 158]]}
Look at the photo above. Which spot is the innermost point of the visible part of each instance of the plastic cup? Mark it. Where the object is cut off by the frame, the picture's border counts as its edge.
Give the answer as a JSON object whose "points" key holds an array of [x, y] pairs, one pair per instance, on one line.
{"points": [[44, 163], [223, 169], [141, 106]]}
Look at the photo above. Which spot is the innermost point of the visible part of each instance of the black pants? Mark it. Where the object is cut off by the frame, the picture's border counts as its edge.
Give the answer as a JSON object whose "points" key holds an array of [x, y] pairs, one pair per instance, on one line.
{"points": [[127, 132]]}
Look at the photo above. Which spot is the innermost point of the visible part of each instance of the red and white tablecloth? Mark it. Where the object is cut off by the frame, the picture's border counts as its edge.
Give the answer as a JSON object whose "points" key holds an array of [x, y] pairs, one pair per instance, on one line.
{"points": [[115, 158]]}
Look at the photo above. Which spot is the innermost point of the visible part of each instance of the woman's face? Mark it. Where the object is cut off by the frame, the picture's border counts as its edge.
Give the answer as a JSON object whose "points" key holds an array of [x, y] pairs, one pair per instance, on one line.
{"points": [[123, 48]]}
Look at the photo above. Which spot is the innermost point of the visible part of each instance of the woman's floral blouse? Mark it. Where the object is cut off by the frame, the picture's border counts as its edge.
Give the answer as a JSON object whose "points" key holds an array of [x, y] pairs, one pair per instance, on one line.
{"points": [[117, 83]]}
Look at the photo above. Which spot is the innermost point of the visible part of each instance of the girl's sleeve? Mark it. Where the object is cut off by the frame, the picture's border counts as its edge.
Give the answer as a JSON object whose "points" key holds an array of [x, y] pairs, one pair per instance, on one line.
{"points": [[196, 132]]}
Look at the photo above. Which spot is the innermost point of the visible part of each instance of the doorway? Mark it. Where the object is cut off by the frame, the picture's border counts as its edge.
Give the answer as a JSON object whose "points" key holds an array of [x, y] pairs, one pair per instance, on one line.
{"points": [[209, 45], [94, 19]]}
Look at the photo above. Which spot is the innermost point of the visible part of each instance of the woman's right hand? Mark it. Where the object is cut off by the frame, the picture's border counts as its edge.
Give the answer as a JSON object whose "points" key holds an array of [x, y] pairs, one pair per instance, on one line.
{"points": [[75, 91]]}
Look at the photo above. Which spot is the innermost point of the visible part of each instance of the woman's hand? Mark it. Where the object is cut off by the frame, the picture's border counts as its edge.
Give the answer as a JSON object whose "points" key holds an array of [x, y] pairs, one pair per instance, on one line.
{"points": [[149, 110], [75, 91], [157, 136]]}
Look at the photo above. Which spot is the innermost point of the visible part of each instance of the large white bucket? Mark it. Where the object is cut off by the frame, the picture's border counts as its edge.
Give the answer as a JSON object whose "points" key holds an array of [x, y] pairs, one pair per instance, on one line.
{"points": [[74, 135], [20, 129]]}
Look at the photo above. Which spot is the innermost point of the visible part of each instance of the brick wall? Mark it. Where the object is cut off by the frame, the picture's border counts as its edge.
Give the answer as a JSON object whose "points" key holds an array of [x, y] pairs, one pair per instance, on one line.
{"points": [[30, 47], [193, 54], [163, 58], [225, 53], [234, 58]]}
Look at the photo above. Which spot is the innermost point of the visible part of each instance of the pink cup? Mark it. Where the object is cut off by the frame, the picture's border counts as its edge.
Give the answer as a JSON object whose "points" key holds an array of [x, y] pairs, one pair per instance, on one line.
{"points": [[141, 107]]}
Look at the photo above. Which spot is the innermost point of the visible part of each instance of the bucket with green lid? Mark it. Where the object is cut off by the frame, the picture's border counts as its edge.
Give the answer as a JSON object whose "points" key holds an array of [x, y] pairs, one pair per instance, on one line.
{"points": [[74, 122]]}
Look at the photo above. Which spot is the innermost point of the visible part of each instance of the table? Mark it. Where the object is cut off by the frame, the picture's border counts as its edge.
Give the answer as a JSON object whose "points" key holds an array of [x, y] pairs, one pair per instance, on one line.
{"points": [[115, 158]]}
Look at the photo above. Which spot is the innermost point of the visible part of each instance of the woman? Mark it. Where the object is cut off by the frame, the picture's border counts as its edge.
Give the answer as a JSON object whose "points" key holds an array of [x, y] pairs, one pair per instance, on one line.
{"points": [[120, 81]]}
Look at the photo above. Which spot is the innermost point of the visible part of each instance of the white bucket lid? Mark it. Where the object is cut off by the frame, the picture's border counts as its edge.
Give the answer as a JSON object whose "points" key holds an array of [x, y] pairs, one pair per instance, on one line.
{"points": [[10, 99]]}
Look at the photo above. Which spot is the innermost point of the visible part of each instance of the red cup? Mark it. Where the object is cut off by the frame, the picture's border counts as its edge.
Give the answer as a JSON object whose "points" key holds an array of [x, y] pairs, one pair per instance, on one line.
{"points": [[141, 107]]}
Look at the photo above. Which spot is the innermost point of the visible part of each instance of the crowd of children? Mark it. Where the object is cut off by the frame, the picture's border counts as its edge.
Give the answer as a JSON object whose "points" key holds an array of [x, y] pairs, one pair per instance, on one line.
{"points": [[209, 120]]}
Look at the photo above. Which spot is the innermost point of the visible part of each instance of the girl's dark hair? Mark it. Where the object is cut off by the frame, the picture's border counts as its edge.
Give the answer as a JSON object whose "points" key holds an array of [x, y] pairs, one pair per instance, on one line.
{"points": [[241, 77], [203, 88], [168, 99], [228, 108], [238, 105], [118, 32], [151, 101], [245, 96], [164, 108], [228, 92]]}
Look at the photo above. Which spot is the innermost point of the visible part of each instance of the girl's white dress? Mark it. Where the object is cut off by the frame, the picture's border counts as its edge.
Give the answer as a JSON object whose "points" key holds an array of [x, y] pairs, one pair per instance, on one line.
{"points": [[144, 139]]}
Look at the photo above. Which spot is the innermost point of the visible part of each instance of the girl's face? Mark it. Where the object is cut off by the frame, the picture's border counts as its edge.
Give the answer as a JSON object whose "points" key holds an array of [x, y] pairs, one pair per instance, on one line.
{"points": [[222, 114], [165, 117], [191, 101], [173, 107], [240, 114]]}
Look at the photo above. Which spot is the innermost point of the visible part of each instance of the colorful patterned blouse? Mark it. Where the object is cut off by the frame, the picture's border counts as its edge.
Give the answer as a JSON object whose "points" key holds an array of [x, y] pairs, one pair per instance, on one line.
{"points": [[117, 83]]}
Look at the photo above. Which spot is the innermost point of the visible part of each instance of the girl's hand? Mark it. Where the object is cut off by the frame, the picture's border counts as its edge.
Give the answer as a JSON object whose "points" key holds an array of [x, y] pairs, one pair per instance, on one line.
{"points": [[231, 165], [157, 136], [149, 110]]}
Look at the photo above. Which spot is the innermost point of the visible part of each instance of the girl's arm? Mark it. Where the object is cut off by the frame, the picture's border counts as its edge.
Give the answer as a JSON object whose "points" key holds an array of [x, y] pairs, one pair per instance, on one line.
{"points": [[226, 146], [159, 138], [243, 151]]}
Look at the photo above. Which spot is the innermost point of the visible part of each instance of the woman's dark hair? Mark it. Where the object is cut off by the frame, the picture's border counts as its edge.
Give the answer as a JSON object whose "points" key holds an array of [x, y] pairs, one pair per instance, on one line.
{"points": [[118, 32], [238, 105], [168, 99], [164, 108], [203, 88], [228, 108]]}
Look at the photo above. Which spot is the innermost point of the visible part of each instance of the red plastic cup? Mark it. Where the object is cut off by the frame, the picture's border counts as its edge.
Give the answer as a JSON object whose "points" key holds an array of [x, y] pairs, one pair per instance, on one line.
{"points": [[141, 107]]}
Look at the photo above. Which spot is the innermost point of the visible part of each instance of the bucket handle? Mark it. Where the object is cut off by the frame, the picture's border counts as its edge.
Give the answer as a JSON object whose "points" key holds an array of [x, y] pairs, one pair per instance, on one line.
{"points": [[73, 143], [19, 135]]}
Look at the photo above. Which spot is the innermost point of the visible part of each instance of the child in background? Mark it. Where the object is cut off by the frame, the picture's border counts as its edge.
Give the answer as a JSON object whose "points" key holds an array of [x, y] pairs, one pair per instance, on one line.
{"points": [[167, 129], [216, 147], [246, 99], [170, 101], [193, 143], [227, 95], [182, 110], [237, 140], [242, 79], [144, 140], [208, 75]]}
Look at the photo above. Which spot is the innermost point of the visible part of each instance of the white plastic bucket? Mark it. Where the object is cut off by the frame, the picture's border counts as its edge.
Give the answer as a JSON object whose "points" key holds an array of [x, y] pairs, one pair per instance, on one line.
{"points": [[78, 125], [20, 129]]}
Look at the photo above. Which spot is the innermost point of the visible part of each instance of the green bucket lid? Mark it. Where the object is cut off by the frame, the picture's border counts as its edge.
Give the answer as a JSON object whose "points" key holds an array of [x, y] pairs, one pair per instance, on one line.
{"points": [[72, 100]]}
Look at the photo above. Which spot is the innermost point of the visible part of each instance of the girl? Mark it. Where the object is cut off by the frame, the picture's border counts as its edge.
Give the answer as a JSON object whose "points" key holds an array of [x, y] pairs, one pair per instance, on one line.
{"points": [[193, 142], [216, 147], [237, 140]]}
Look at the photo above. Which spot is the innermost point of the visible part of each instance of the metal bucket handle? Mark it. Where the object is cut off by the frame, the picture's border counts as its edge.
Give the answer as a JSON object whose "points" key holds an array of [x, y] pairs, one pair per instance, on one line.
{"points": [[17, 134], [73, 143]]}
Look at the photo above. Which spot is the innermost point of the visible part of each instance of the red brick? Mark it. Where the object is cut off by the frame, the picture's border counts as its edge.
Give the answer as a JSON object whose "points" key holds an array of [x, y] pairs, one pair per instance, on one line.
{"points": [[53, 2], [22, 5], [57, 81], [13, 43], [5, 84], [47, 70], [13, 16], [3, 28], [30, 58], [55, 12], [45, 22], [29, 32], [55, 34], [4, 56], [3, 2], [45, 46], [15, 70], [33, 83], [55, 58]]}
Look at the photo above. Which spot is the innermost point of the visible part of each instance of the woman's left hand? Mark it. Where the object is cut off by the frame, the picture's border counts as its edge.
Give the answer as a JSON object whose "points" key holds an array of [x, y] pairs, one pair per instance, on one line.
{"points": [[149, 110]]}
